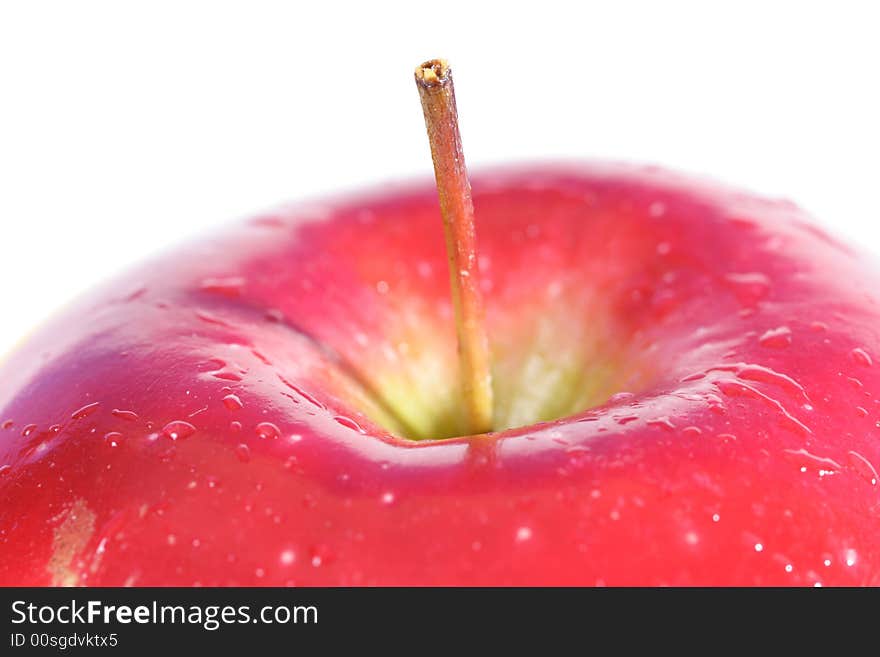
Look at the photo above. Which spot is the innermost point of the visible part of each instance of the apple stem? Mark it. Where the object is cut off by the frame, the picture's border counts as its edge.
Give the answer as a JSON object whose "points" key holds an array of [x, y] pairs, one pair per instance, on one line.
{"points": [[434, 81]]}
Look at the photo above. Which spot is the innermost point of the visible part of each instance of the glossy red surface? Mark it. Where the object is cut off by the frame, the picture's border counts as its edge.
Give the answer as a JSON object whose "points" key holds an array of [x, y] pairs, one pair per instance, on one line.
{"points": [[205, 419]]}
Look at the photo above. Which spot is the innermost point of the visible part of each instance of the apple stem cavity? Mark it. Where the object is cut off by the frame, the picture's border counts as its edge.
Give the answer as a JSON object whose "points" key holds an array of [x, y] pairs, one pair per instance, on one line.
{"points": [[437, 93]]}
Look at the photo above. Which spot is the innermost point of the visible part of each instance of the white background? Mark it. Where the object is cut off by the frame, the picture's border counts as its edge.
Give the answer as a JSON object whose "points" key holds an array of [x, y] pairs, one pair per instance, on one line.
{"points": [[125, 126]]}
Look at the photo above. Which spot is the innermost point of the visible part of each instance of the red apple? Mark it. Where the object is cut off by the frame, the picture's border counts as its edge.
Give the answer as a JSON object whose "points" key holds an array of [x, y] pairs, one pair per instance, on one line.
{"points": [[265, 406]]}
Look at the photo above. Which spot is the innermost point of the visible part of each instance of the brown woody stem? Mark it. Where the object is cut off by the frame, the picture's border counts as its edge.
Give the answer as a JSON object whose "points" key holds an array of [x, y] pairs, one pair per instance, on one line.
{"points": [[434, 81]]}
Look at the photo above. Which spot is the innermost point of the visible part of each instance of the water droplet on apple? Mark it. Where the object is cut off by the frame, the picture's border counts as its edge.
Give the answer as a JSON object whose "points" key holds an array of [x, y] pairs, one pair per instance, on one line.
{"points": [[210, 318], [4, 469], [178, 429], [261, 356], [243, 452], [232, 402], [85, 411], [113, 438], [235, 426], [349, 423], [7, 424], [302, 393], [861, 357], [749, 288], [28, 429], [751, 372], [778, 338], [388, 498], [267, 431], [274, 315], [715, 404], [663, 422], [863, 467], [224, 371], [128, 416], [578, 455], [732, 388], [808, 461]]}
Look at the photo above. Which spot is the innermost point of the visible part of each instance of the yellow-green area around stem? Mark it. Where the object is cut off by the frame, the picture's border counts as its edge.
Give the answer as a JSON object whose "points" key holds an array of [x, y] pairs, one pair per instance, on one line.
{"points": [[551, 358]]}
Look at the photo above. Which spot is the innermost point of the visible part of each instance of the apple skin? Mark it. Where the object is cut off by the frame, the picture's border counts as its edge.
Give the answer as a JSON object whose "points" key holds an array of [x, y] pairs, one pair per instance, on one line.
{"points": [[744, 455]]}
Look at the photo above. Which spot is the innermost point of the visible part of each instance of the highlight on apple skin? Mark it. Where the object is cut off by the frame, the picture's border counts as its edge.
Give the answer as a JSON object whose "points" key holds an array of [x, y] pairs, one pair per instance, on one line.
{"points": [[684, 393]]}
